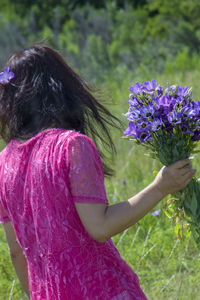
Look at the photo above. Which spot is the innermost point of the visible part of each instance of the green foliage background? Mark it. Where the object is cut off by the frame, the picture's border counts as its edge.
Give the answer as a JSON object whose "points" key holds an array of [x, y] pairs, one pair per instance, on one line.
{"points": [[113, 44]]}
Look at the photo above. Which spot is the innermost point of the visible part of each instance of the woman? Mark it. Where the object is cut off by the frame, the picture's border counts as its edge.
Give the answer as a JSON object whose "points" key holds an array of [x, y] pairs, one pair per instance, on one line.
{"points": [[53, 203]]}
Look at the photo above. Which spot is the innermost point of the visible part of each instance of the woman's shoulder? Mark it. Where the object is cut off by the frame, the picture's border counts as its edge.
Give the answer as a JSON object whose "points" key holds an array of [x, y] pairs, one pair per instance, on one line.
{"points": [[76, 138]]}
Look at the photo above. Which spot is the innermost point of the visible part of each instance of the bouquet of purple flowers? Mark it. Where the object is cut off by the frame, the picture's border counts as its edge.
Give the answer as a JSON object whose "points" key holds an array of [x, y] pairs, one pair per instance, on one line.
{"points": [[167, 122]]}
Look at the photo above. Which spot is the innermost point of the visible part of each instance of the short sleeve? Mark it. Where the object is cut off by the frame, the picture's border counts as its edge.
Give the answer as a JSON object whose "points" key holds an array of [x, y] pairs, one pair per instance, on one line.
{"points": [[86, 176]]}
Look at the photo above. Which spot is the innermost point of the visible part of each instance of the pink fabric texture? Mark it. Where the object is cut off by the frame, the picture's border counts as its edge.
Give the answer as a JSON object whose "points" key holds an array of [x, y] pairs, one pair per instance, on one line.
{"points": [[39, 182]]}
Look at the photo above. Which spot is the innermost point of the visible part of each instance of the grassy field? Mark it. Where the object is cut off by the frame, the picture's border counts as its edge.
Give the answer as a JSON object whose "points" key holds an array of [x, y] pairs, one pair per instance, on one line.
{"points": [[168, 269]]}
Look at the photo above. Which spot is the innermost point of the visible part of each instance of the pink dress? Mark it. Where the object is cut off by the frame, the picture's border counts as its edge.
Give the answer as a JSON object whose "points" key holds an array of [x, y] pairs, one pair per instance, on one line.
{"points": [[39, 182]]}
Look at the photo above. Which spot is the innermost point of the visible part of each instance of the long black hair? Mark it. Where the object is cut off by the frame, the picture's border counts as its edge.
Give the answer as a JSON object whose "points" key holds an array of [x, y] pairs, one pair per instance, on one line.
{"points": [[46, 92]]}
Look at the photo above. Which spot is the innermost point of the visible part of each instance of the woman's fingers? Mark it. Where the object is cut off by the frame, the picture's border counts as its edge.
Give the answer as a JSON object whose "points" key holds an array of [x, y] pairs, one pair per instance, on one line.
{"points": [[175, 177], [188, 176], [185, 170], [181, 163]]}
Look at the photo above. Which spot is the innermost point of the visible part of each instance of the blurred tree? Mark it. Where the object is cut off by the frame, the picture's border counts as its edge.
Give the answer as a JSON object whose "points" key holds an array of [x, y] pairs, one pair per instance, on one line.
{"points": [[97, 36], [44, 10], [177, 21]]}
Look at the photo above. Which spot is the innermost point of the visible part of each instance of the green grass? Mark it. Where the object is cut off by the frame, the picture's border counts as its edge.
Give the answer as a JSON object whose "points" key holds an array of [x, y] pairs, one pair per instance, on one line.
{"points": [[168, 269]]}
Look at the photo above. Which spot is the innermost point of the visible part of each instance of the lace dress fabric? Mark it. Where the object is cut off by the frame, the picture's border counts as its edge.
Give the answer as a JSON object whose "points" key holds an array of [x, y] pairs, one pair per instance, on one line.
{"points": [[39, 182]]}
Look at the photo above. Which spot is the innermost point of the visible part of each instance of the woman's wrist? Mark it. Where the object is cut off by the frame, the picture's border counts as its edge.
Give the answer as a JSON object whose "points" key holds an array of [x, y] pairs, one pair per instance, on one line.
{"points": [[158, 190]]}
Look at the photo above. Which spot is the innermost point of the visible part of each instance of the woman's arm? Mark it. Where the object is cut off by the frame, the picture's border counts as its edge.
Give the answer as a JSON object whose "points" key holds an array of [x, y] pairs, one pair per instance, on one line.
{"points": [[102, 221], [17, 256]]}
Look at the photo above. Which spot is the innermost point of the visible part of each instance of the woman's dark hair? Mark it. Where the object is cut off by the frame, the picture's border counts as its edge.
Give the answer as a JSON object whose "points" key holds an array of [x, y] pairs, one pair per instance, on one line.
{"points": [[46, 92]]}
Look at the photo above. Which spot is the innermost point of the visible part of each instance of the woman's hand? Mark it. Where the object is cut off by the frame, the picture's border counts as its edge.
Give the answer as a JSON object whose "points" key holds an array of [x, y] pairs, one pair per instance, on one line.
{"points": [[175, 177]]}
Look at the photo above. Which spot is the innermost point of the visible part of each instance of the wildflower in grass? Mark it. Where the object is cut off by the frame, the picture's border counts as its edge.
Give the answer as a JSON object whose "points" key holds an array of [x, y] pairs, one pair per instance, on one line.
{"points": [[167, 123], [124, 182], [114, 199], [156, 213]]}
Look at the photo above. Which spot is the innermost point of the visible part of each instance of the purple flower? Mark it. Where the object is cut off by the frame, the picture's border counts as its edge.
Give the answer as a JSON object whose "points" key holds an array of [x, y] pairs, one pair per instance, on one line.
{"points": [[188, 112], [136, 132], [174, 117], [182, 91], [150, 86], [196, 106], [143, 124], [156, 213], [124, 182], [197, 124], [136, 88], [163, 103], [131, 130], [6, 75], [185, 129], [159, 90], [133, 114], [156, 124], [196, 136], [133, 101], [147, 111], [170, 89], [144, 135]]}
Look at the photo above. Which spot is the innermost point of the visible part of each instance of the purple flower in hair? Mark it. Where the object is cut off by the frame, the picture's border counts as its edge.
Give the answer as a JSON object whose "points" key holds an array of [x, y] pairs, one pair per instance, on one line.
{"points": [[6, 75]]}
